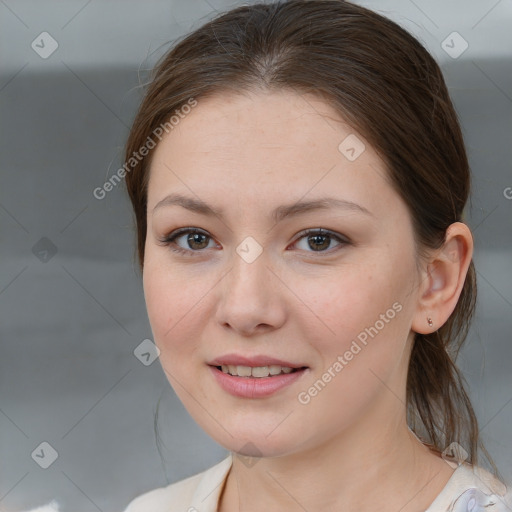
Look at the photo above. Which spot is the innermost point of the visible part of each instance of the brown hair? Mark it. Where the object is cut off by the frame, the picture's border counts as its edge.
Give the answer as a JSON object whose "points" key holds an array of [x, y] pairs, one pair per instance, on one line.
{"points": [[385, 84]]}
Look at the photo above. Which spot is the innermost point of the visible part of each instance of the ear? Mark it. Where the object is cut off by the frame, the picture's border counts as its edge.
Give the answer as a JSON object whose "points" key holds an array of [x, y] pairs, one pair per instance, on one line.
{"points": [[442, 280]]}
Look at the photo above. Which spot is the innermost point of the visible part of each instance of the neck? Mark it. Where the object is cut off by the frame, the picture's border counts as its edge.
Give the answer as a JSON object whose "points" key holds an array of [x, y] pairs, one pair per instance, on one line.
{"points": [[364, 469]]}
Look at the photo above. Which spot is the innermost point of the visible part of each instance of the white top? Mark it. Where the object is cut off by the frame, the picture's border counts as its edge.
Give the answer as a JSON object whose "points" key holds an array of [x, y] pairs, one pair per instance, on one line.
{"points": [[469, 489]]}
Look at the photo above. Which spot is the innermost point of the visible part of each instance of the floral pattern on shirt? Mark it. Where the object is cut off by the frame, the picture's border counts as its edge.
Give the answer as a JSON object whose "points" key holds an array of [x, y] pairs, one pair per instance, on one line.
{"points": [[475, 500]]}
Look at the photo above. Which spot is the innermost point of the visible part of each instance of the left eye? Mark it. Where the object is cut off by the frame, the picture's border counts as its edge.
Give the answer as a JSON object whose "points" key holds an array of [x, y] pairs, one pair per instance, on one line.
{"points": [[320, 239], [317, 239]]}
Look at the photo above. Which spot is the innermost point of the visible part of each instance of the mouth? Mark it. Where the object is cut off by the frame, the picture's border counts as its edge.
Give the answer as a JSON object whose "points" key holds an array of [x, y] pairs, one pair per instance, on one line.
{"points": [[258, 372], [252, 382]]}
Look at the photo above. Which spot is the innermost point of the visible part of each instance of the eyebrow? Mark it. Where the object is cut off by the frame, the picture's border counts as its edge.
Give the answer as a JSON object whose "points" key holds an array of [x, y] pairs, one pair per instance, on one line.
{"points": [[278, 214]]}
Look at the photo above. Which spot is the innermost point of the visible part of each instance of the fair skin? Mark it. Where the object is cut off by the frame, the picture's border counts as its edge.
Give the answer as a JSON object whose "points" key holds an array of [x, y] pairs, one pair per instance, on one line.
{"points": [[303, 299]]}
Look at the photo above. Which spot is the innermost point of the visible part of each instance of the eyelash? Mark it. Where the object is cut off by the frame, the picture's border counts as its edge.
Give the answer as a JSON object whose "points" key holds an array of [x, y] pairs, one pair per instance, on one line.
{"points": [[169, 240]]}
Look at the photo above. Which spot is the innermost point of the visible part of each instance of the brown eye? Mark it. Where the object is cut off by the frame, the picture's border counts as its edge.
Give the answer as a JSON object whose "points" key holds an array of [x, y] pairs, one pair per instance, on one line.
{"points": [[195, 240], [320, 240]]}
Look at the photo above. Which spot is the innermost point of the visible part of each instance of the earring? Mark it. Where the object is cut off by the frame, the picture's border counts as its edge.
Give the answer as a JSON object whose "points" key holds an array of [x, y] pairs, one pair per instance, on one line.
{"points": [[430, 323]]}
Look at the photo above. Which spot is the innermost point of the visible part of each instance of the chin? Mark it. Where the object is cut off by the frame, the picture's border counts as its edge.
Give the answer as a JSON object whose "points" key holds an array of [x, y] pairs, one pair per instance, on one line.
{"points": [[254, 442]]}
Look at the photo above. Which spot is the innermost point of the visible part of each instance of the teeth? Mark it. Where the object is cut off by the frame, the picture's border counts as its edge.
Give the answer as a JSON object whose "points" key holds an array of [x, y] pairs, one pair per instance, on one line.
{"points": [[274, 369], [243, 371], [256, 371]]}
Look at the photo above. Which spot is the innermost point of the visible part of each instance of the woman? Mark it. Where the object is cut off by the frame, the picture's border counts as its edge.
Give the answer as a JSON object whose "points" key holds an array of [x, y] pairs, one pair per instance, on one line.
{"points": [[298, 177]]}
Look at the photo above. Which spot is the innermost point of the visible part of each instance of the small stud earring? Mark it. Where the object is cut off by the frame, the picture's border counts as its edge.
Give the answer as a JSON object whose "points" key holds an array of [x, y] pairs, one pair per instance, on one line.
{"points": [[430, 323]]}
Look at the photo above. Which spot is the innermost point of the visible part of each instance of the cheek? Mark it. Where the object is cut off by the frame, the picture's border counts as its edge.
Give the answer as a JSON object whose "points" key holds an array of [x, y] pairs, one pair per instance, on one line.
{"points": [[358, 303], [367, 313], [172, 303]]}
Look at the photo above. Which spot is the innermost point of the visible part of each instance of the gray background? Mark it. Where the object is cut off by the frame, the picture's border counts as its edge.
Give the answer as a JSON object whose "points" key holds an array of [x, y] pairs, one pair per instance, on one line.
{"points": [[70, 321]]}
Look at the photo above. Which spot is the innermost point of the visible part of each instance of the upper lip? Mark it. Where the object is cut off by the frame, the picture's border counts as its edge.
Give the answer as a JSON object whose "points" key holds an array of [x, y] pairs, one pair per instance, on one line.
{"points": [[254, 361]]}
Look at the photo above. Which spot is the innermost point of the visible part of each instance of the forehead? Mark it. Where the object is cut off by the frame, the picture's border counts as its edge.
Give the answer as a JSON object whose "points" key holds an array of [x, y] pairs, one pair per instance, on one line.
{"points": [[280, 123], [243, 146]]}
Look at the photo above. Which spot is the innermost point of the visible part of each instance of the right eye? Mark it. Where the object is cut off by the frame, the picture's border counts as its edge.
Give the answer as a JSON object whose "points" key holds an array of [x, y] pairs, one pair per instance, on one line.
{"points": [[193, 236]]}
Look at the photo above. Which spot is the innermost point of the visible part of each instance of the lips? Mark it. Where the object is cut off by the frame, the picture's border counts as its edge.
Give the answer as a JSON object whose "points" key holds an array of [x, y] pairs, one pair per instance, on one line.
{"points": [[254, 387], [258, 376], [254, 361]]}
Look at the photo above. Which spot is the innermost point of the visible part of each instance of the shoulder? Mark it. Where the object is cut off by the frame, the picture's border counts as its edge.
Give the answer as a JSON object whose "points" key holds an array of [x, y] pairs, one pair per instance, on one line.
{"points": [[180, 496], [473, 489], [177, 494]]}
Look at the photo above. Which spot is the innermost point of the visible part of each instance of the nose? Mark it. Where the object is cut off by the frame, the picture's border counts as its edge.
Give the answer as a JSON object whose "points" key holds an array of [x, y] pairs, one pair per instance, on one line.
{"points": [[251, 297]]}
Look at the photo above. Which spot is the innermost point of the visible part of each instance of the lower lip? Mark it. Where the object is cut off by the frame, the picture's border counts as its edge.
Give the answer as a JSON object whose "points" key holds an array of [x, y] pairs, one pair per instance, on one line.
{"points": [[255, 387]]}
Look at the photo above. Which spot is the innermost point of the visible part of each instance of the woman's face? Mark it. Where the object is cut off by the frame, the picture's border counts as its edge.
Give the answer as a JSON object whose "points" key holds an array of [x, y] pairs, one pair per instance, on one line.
{"points": [[251, 289]]}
